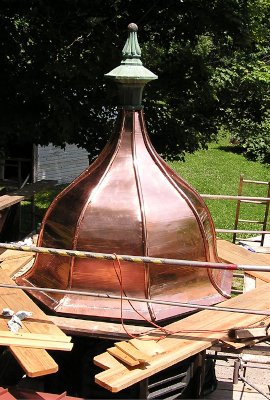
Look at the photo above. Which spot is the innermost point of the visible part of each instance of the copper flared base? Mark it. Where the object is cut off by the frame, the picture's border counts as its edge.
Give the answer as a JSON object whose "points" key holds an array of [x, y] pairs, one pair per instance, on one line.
{"points": [[194, 287]]}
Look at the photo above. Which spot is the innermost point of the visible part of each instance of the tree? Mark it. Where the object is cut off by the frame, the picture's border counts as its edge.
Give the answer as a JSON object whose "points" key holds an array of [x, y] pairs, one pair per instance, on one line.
{"points": [[54, 55]]}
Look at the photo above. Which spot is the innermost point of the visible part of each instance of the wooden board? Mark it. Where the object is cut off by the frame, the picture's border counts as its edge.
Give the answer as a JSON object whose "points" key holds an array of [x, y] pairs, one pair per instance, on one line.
{"points": [[35, 362], [11, 266], [125, 358], [149, 347], [10, 255], [35, 336], [99, 329], [192, 335], [107, 361], [28, 191], [132, 351], [232, 253]]}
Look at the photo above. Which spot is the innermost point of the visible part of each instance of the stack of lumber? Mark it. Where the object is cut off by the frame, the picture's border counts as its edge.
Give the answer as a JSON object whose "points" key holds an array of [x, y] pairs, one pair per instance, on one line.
{"points": [[191, 335], [37, 334]]}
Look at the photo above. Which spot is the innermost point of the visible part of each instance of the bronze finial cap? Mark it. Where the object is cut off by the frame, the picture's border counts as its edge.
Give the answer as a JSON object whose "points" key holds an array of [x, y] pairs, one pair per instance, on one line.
{"points": [[133, 27]]}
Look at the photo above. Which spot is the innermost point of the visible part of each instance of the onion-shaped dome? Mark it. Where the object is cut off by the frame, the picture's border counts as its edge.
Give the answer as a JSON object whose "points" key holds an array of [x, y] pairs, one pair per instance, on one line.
{"points": [[129, 201]]}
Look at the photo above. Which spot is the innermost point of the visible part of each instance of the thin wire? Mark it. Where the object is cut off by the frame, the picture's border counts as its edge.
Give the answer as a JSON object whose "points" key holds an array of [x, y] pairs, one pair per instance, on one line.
{"points": [[157, 327], [122, 291]]}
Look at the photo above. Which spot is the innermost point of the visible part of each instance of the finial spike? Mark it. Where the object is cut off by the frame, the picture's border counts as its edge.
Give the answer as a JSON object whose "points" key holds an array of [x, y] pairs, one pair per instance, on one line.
{"points": [[132, 48], [131, 75]]}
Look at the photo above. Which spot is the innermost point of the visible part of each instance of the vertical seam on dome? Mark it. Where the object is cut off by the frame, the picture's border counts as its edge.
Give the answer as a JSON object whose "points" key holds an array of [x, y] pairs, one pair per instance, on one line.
{"points": [[142, 210], [75, 239], [160, 166]]}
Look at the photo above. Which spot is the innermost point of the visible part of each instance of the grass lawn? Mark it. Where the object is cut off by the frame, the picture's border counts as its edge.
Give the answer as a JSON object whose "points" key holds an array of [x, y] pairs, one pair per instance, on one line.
{"points": [[217, 171], [212, 171]]}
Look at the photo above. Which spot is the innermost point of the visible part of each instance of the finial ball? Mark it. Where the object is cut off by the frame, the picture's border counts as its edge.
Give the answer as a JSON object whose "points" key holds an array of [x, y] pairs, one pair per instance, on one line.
{"points": [[132, 27]]}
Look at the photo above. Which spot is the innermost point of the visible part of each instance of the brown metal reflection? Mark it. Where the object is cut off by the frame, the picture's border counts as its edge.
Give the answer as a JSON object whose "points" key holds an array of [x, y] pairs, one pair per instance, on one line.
{"points": [[129, 201]]}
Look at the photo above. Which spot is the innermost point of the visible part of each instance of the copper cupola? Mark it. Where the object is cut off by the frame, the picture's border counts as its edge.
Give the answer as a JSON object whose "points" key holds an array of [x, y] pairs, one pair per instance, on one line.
{"points": [[129, 201]]}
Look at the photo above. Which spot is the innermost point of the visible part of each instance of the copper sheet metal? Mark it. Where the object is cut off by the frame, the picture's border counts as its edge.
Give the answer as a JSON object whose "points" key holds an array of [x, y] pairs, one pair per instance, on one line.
{"points": [[129, 201]]}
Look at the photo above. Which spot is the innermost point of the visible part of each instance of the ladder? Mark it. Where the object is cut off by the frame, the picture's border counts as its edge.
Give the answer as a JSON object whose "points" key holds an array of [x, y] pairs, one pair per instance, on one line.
{"points": [[265, 203]]}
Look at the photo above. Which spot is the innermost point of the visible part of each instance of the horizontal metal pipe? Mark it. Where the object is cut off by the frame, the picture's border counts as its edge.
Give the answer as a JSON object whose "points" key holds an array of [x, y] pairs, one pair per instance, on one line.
{"points": [[117, 297], [256, 182], [242, 231], [135, 259], [228, 197]]}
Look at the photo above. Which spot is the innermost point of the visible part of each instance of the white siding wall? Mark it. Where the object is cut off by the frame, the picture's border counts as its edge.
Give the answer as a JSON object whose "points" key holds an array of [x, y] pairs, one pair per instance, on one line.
{"points": [[62, 165]]}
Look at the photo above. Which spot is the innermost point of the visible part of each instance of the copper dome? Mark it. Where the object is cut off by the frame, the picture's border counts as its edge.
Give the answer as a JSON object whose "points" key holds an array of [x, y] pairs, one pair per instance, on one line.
{"points": [[129, 201]]}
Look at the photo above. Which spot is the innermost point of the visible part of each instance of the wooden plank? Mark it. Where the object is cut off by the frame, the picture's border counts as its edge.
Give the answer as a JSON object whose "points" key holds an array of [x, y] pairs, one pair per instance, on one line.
{"points": [[149, 347], [244, 333], [35, 362], [13, 254], [117, 379], [232, 253], [192, 335], [132, 351], [120, 355], [35, 336], [35, 344], [99, 329], [13, 266], [28, 191], [8, 200], [107, 361]]}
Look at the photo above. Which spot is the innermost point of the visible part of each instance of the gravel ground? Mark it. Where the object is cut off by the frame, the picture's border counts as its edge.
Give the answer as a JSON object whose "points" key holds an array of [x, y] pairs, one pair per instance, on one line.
{"points": [[259, 377]]}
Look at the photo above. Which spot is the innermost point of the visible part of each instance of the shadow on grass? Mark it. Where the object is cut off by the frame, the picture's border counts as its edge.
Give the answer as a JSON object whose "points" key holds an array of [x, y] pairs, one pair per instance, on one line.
{"points": [[232, 149]]}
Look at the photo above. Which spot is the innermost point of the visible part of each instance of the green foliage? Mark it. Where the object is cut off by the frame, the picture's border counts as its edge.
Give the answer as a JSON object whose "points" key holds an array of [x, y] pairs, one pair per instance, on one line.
{"points": [[211, 58], [246, 112]]}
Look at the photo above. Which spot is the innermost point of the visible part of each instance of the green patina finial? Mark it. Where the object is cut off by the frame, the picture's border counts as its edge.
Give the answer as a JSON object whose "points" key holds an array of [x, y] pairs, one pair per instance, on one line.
{"points": [[131, 75], [132, 50]]}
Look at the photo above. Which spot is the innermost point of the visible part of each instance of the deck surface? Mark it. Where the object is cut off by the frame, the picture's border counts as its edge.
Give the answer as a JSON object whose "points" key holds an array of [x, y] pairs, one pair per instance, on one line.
{"points": [[236, 254]]}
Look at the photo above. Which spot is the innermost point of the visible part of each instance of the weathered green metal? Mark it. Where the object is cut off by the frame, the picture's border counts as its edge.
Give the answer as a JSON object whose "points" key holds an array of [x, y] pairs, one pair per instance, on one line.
{"points": [[131, 75]]}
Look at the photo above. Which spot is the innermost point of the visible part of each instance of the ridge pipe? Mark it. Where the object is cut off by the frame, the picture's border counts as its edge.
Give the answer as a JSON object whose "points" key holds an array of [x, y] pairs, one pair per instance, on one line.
{"points": [[163, 302], [228, 197], [135, 259]]}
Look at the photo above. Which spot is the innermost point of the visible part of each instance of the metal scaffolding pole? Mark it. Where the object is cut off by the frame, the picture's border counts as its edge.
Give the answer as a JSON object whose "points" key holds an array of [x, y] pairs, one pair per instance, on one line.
{"points": [[135, 259], [136, 299]]}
